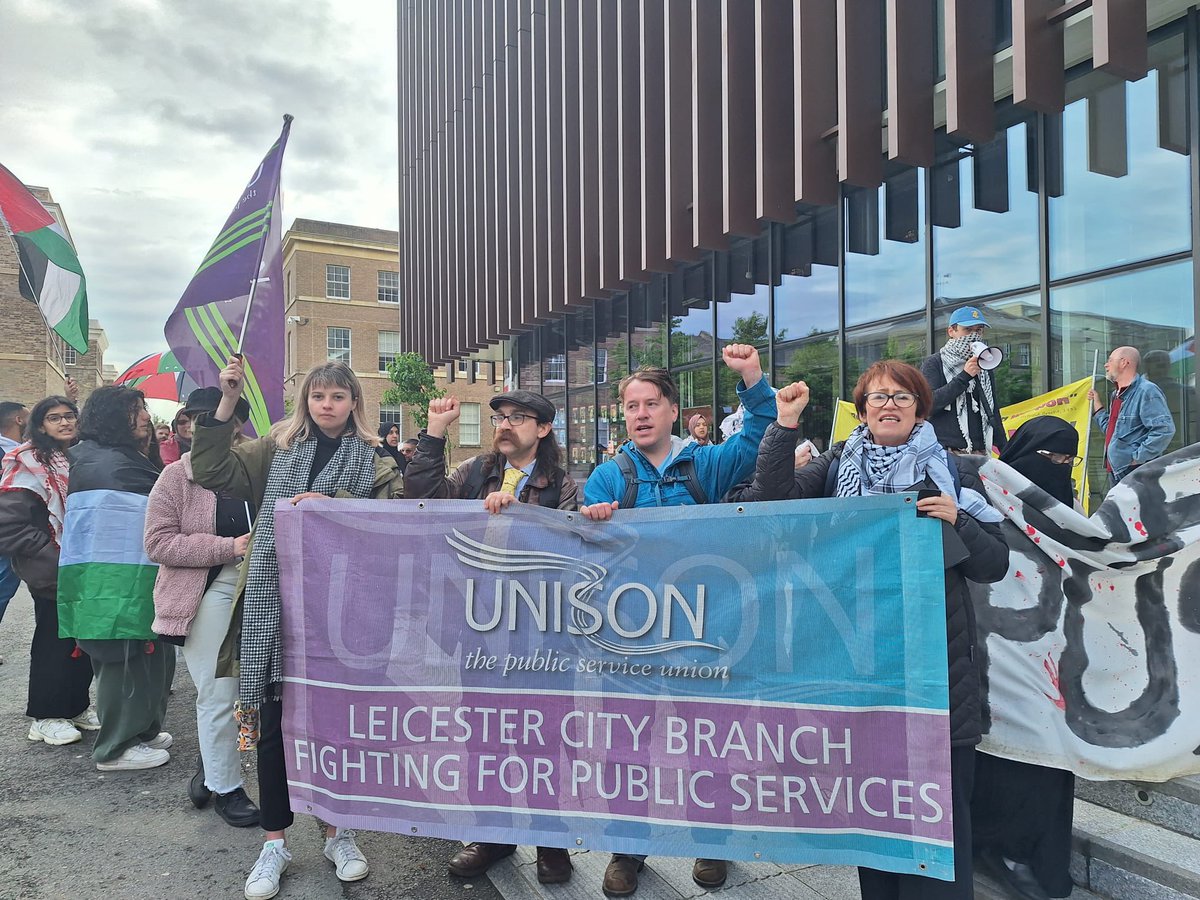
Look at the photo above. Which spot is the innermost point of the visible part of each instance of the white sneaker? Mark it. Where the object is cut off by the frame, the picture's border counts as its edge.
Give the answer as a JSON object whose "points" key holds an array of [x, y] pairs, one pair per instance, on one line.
{"points": [[87, 720], [54, 731], [341, 850], [161, 741], [263, 881], [139, 756]]}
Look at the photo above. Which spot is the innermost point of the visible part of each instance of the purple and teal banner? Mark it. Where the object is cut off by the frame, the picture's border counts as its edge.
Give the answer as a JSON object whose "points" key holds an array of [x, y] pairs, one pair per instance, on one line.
{"points": [[760, 682], [242, 269]]}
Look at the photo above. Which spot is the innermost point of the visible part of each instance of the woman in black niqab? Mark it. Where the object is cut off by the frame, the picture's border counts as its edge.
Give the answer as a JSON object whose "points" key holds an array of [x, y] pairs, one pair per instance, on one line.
{"points": [[1022, 813], [1052, 435]]}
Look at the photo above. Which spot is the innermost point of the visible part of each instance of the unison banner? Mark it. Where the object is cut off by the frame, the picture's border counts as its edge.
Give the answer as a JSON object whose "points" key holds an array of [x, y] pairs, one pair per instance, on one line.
{"points": [[1091, 644], [752, 682]]}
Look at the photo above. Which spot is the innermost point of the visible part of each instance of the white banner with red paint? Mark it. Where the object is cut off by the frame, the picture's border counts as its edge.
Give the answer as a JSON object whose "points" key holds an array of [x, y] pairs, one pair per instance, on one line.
{"points": [[1091, 645]]}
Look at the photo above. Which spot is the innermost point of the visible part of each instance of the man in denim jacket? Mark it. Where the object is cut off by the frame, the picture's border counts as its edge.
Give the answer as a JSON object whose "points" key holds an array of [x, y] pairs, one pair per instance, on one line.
{"points": [[1137, 425]]}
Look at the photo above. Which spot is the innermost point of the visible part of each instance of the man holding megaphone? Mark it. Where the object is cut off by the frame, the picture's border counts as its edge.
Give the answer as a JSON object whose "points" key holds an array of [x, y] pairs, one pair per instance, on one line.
{"points": [[966, 412]]}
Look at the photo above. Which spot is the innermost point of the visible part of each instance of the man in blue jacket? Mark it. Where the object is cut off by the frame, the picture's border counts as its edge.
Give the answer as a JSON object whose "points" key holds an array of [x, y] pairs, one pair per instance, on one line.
{"points": [[658, 469], [1137, 425]]}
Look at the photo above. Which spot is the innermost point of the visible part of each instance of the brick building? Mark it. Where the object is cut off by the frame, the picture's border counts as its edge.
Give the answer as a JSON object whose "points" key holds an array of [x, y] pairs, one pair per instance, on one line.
{"points": [[34, 361], [341, 287]]}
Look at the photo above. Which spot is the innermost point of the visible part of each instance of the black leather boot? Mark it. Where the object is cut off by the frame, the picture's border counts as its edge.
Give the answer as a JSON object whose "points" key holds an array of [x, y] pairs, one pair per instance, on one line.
{"points": [[197, 792]]}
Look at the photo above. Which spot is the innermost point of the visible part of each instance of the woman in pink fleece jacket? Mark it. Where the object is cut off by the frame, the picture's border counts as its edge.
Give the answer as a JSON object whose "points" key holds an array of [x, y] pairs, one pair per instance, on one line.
{"points": [[198, 539]]}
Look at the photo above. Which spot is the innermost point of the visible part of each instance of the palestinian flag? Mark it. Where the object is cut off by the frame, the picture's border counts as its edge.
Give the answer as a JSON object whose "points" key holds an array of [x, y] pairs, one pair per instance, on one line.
{"points": [[105, 579], [50, 272]]}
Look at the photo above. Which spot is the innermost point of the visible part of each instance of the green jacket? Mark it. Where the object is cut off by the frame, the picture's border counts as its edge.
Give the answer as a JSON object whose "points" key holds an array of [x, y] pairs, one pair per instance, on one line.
{"points": [[241, 472]]}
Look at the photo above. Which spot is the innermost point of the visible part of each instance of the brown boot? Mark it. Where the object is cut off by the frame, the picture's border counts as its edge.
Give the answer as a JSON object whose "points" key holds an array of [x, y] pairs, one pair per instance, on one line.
{"points": [[553, 865], [475, 859], [621, 876], [710, 873]]}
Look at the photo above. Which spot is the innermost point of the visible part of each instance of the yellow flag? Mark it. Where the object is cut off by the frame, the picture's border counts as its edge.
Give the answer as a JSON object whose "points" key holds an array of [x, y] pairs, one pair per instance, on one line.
{"points": [[1069, 403], [845, 420]]}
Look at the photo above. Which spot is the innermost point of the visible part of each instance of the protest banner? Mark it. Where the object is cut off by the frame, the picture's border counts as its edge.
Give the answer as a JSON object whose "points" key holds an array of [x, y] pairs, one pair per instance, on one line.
{"points": [[1091, 644], [758, 682]]}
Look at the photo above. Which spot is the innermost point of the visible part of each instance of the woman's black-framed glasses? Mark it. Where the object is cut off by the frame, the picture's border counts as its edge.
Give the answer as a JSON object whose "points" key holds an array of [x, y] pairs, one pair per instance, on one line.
{"points": [[55, 418], [902, 399], [1061, 458]]}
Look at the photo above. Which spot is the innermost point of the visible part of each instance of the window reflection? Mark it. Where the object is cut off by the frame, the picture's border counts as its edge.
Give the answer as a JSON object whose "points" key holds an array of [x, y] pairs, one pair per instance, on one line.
{"points": [[885, 276], [903, 339], [814, 361], [986, 240], [581, 432], [690, 305], [612, 364], [1122, 191]]}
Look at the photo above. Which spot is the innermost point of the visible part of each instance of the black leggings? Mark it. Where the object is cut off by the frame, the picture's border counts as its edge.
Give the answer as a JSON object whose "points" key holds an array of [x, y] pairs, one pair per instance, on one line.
{"points": [[275, 810]]}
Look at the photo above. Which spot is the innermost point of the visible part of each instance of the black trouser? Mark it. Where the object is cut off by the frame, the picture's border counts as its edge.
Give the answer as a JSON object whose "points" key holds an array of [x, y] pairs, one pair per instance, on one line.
{"points": [[876, 885], [59, 674], [275, 810]]}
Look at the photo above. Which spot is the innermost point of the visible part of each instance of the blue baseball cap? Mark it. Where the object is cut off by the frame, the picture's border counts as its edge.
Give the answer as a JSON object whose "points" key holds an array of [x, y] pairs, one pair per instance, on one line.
{"points": [[968, 316]]}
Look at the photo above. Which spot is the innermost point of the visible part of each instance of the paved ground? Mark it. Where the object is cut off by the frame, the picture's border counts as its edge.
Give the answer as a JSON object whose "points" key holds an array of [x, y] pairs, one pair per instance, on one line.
{"points": [[72, 832]]}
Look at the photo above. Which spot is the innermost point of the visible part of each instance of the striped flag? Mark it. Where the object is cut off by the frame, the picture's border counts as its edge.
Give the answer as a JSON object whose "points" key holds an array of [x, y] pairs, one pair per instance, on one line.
{"points": [[50, 272], [105, 579], [240, 280]]}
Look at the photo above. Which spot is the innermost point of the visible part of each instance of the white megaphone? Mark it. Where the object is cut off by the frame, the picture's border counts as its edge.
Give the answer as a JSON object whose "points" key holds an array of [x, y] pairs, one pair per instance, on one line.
{"points": [[989, 357]]}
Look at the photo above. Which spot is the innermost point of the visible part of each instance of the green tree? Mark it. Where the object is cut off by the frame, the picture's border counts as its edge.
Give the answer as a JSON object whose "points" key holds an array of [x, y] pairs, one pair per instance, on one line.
{"points": [[414, 386]]}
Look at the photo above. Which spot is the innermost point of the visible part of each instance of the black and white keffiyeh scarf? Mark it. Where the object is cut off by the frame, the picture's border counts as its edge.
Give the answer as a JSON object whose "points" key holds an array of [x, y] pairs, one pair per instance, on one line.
{"points": [[954, 355], [870, 468], [352, 469]]}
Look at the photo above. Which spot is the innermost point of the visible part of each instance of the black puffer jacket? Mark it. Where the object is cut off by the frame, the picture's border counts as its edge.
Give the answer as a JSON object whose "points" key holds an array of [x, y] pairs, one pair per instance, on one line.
{"points": [[776, 478]]}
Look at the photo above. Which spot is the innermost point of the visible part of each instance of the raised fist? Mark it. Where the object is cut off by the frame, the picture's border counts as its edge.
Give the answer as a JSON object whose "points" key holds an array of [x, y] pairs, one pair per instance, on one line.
{"points": [[443, 412], [791, 401], [743, 359], [233, 378]]}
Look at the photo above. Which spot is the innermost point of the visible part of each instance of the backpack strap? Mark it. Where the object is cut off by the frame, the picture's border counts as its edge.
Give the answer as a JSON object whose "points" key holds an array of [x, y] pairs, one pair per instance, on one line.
{"points": [[628, 472], [685, 467]]}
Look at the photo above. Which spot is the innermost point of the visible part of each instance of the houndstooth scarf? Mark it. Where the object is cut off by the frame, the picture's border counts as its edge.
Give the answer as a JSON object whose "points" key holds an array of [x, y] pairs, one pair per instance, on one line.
{"points": [[956, 352], [352, 469], [870, 468]]}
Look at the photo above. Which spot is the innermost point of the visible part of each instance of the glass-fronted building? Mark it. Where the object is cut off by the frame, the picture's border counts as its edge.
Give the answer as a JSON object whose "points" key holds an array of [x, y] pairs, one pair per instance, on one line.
{"points": [[1074, 231]]}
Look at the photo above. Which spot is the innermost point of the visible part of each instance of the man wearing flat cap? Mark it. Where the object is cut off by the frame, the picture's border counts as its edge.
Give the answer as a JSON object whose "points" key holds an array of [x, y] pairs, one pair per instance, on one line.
{"points": [[966, 410], [524, 466]]}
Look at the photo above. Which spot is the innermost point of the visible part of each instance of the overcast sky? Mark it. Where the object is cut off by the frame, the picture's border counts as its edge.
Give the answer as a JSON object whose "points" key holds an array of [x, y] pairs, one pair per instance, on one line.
{"points": [[145, 119]]}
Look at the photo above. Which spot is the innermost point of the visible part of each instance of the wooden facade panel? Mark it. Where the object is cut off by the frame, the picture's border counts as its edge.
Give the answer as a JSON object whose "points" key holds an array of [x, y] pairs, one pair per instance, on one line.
{"points": [[860, 93], [774, 111], [680, 246], [653, 136], [708, 183], [512, 307], [1119, 39], [533, 93], [910, 81], [554, 234], [589, 135], [816, 106], [1039, 82], [572, 139], [739, 133], [970, 77], [629, 129], [608, 112]]}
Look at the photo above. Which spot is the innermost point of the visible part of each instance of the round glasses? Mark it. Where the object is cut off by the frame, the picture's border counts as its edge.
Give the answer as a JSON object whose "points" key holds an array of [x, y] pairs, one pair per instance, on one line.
{"points": [[902, 399], [55, 418], [1061, 458], [513, 419]]}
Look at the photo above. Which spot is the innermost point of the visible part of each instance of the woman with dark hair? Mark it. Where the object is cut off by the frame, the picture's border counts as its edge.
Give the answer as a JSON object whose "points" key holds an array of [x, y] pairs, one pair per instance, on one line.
{"points": [[1022, 812], [106, 582], [896, 449], [389, 444], [33, 498]]}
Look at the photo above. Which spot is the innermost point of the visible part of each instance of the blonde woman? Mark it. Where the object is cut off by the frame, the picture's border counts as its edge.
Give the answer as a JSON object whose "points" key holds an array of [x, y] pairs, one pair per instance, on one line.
{"points": [[324, 450]]}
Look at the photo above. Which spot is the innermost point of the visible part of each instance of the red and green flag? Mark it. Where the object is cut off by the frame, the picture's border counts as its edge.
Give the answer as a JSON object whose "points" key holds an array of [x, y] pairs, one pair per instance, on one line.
{"points": [[50, 272]]}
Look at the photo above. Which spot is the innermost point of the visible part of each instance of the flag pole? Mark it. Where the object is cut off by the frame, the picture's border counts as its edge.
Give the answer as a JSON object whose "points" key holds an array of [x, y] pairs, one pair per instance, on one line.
{"points": [[1087, 438], [262, 245], [50, 332]]}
